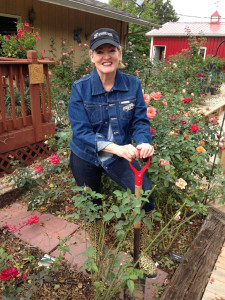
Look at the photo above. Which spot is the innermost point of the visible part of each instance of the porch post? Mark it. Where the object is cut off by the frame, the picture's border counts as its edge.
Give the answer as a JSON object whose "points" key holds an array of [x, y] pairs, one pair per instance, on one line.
{"points": [[35, 101]]}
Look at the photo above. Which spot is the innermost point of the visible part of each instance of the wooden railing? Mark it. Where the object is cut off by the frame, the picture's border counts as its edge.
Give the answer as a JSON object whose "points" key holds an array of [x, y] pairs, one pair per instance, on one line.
{"points": [[25, 103]]}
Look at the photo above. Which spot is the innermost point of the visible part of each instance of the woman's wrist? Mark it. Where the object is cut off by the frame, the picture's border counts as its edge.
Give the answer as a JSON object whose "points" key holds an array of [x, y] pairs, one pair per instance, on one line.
{"points": [[111, 148]]}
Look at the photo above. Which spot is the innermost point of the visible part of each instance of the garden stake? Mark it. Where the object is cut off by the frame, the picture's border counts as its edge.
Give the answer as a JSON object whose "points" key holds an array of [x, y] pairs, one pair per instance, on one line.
{"points": [[138, 187]]}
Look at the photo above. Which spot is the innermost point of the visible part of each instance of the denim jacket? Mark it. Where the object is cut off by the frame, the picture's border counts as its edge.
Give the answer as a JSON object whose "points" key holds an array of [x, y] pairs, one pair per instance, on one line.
{"points": [[91, 109]]}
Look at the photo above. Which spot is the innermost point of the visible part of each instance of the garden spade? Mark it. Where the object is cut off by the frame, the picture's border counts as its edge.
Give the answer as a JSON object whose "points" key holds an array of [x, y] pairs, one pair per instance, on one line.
{"points": [[138, 187]]}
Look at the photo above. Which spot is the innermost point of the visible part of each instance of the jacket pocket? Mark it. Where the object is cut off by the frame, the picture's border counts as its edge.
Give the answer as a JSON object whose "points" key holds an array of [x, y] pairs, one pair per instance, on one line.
{"points": [[94, 112], [126, 108]]}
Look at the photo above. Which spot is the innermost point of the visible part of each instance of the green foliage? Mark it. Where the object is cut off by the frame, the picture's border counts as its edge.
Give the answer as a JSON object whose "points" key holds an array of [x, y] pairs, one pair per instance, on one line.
{"points": [[18, 45], [63, 70], [185, 74], [158, 12], [17, 98]]}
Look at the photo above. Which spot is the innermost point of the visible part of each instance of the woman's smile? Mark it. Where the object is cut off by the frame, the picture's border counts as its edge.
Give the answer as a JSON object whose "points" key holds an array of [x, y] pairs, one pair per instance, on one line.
{"points": [[106, 59]]}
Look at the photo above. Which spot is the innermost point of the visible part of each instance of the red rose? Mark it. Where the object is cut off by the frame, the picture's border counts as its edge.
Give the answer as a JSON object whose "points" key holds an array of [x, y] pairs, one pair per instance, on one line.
{"points": [[172, 117], [54, 159], [186, 100], [194, 128], [222, 148], [32, 220], [8, 274], [152, 130], [182, 122]]}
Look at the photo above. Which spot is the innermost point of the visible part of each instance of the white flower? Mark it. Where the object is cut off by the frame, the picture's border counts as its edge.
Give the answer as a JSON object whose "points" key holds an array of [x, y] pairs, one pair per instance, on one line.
{"points": [[181, 183]]}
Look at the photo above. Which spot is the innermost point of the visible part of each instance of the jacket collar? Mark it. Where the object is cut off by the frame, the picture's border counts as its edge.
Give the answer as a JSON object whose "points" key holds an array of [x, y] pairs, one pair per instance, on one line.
{"points": [[96, 84]]}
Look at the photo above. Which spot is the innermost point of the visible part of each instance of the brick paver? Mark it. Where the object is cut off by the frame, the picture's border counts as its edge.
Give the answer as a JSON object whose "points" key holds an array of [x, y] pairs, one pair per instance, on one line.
{"points": [[15, 214], [44, 234], [77, 246], [152, 284]]}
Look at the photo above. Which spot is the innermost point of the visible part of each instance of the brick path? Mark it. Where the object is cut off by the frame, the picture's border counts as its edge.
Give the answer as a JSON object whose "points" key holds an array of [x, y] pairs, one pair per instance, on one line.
{"points": [[46, 233]]}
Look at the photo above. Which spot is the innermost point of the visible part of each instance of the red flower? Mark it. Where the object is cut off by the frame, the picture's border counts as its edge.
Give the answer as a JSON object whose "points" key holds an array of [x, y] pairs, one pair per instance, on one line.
{"points": [[182, 122], [194, 128], [54, 159], [202, 75], [8, 274], [21, 47], [37, 37], [152, 130], [42, 57], [199, 74], [38, 168], [26, 24], [25, 276], [186, 100], [222, 148], [171, 68], [26, 29], [172, 117], [33, 220]]}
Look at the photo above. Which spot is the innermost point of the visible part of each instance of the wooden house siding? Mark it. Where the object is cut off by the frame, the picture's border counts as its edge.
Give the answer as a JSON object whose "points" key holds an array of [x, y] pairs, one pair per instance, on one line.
{"points": [[59, 23], [175, 45]]}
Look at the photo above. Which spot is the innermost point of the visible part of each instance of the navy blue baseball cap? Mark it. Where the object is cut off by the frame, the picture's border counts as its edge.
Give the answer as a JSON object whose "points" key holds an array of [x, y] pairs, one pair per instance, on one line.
{"points": [[104, 36]]}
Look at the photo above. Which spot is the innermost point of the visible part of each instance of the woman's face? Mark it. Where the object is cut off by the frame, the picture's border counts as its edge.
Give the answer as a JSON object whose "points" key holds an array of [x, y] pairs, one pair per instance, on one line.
{"points": [[106, 59]]}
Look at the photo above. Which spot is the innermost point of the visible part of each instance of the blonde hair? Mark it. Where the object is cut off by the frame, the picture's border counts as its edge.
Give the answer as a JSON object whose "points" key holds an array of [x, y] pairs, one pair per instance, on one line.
{"points": [[120, 66]]}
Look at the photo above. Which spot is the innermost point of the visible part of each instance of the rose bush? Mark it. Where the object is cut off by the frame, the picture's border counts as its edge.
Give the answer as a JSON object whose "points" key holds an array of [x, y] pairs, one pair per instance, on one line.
{"points": [[18, 45]]}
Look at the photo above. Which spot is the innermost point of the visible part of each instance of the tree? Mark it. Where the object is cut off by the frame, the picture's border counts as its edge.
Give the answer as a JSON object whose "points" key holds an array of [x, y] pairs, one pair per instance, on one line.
{"points": [[157, 12]]}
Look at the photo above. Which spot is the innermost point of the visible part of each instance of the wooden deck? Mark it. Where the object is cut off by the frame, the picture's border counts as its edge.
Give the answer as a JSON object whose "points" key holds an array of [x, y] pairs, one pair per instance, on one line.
{"points": [[215, 288]]}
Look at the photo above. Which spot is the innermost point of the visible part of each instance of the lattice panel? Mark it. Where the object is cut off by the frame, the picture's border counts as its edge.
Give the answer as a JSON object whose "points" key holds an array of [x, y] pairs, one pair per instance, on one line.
{"points": [[25, 156]]}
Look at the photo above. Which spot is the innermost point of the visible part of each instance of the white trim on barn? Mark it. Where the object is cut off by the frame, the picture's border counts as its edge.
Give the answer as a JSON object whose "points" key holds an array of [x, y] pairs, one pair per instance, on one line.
{"points": [[151, 48]]}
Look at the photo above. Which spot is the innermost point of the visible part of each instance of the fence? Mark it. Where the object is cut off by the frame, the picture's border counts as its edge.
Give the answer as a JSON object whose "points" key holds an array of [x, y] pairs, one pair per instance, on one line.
{"points": [[25, 111]]}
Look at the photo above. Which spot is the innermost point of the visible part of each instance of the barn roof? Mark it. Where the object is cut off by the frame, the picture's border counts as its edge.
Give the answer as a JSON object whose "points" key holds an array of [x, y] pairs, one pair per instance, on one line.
{"points": [[195, 28], [102, 9]]}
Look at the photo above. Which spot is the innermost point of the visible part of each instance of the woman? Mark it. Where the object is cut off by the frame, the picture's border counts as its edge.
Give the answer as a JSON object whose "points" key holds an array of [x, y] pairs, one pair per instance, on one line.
{"points": [[107, 111]]}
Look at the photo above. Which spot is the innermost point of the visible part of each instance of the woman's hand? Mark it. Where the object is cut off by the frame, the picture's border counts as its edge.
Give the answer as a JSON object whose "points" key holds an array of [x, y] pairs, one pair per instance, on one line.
{"points": [[129, 152], [146, 150]]}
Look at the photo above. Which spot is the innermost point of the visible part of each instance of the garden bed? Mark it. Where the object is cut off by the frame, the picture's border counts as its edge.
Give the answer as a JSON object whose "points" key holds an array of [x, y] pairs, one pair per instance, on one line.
{"points": [[71, 283]]}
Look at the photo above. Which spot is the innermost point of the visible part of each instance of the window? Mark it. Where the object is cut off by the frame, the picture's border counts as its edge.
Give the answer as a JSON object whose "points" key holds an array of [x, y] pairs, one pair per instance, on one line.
{"points": [[202, 52], [8, 24], [159, 52]]}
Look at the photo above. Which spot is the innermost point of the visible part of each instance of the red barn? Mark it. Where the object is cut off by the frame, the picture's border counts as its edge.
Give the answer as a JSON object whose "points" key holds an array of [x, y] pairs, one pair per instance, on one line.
{"points": [[172, 37]]}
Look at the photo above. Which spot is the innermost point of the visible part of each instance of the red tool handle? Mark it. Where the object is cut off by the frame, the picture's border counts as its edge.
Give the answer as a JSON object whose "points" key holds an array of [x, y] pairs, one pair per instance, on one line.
{"points": [[139, 174]]}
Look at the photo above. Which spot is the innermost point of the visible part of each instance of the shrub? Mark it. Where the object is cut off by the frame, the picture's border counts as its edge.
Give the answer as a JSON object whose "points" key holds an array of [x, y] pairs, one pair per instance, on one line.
{"points": [[18, 45]]}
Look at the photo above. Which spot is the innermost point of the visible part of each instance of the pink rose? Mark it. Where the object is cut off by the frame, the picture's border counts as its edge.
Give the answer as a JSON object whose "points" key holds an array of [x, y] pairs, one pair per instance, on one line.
{"points": [[194, 128], [54, 159], [156, 96], [151, 112], [146, 98]]}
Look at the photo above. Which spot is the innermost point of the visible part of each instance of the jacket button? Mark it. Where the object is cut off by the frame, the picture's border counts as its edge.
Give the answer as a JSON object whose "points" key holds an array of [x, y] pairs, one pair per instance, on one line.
{"points": [[106, 122], [106, 108]]}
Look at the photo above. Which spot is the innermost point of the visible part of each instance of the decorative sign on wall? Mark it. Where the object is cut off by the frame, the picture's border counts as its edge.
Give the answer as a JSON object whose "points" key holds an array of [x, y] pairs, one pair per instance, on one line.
{"points": [[76, 35], [86, 36], [36, 73]]}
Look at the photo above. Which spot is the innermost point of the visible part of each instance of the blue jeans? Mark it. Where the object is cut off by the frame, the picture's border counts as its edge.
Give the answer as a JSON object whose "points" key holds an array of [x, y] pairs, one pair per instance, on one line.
{"points": [[86, 173]]}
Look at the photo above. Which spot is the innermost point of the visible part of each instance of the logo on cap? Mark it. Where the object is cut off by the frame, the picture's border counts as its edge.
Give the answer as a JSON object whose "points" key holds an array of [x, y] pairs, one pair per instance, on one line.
{"points": [[98, 34]]}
